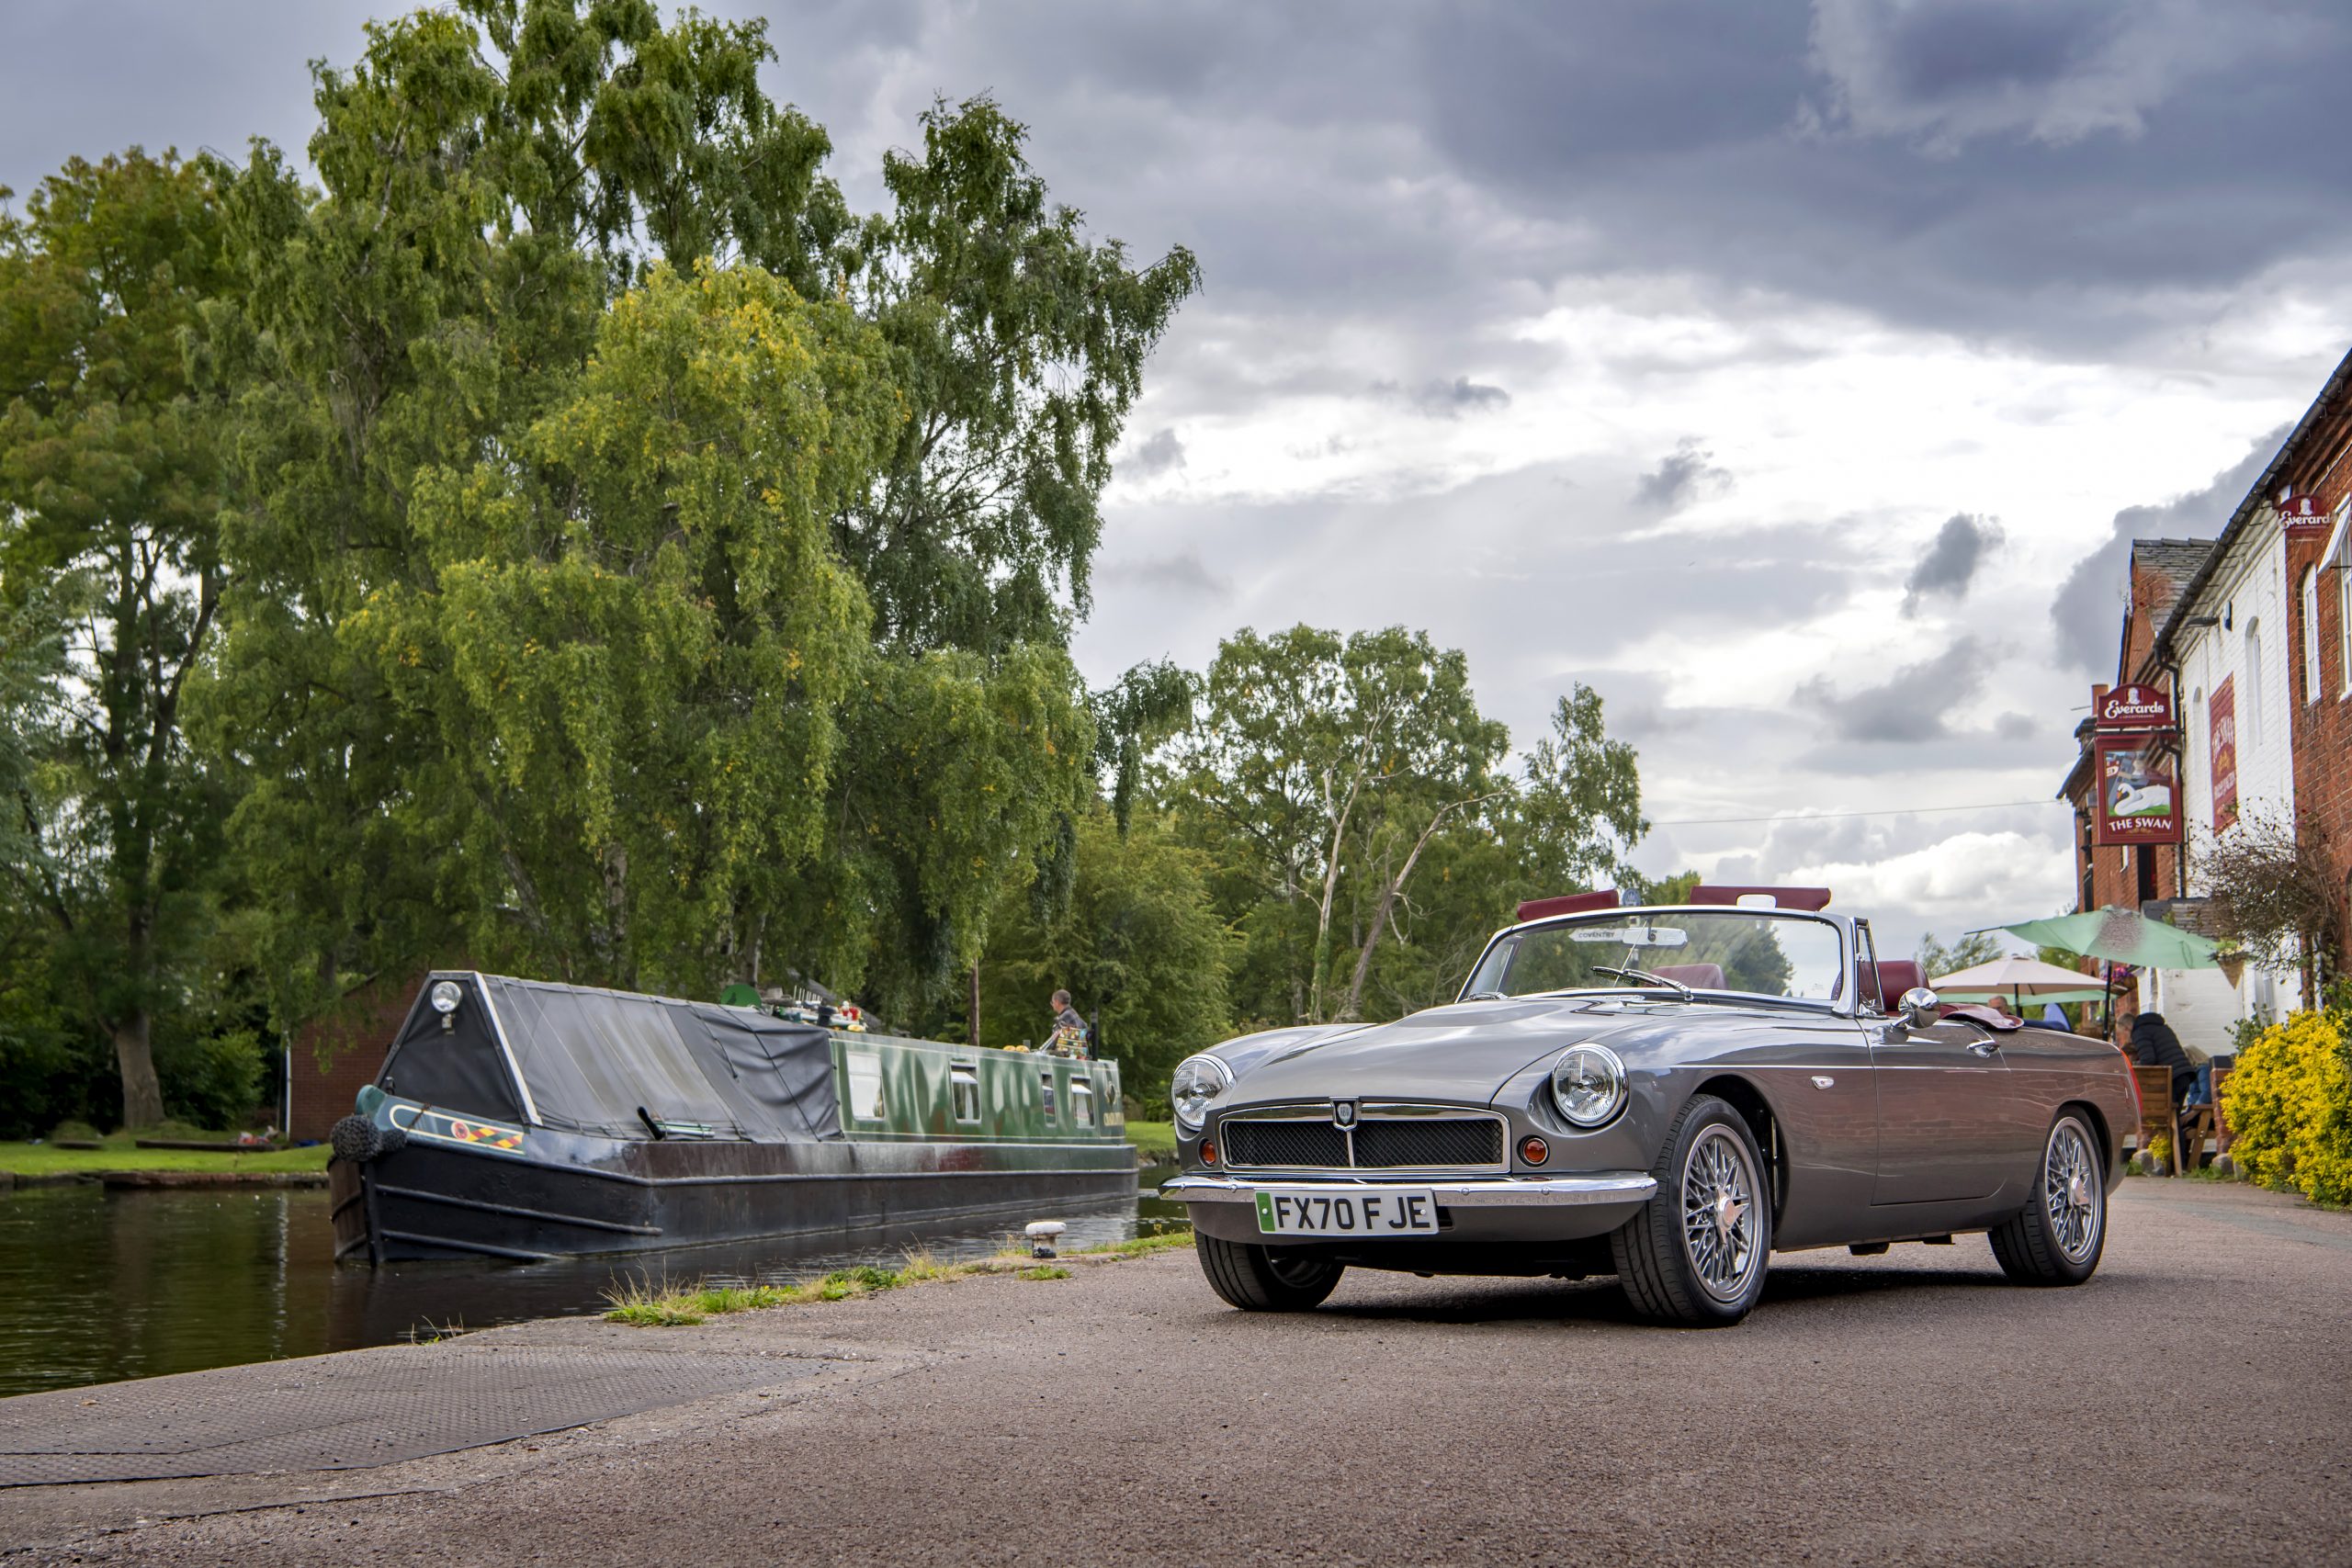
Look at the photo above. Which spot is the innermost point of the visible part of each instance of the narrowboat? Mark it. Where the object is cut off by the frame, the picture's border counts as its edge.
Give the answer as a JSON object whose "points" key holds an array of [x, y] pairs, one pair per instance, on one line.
{"points": [[524, 1120]]}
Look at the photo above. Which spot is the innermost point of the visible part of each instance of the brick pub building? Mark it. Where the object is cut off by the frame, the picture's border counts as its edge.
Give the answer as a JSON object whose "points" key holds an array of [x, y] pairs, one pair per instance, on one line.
{"points": [[2249, 635]]}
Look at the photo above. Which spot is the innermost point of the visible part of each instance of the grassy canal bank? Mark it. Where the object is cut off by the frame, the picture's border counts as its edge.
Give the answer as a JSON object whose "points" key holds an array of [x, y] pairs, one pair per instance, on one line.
{"points": [[120, 1152], [646, 1303]]}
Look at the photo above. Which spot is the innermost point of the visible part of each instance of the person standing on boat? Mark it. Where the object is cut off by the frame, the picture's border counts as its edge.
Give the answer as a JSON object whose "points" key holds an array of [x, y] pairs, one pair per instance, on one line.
{"points": [[1069, 1035]]}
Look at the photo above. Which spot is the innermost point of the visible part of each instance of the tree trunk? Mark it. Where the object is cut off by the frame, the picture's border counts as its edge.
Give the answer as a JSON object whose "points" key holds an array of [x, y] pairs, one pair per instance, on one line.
{"points": [[976, 1005], [142, 1097], [1388, 897]]}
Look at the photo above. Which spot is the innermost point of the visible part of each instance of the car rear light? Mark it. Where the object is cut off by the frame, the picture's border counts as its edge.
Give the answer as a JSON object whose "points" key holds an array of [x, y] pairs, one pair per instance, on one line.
{"points": [[1535, 1151]]}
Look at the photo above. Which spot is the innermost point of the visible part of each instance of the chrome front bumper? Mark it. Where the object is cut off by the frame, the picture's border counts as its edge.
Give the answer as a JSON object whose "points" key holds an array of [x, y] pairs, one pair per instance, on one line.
{"points": [[1492, 1192]]}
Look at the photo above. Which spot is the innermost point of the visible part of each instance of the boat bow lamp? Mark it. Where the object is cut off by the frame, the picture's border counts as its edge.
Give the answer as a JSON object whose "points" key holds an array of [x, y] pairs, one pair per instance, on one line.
{"points": [[445, 997]]}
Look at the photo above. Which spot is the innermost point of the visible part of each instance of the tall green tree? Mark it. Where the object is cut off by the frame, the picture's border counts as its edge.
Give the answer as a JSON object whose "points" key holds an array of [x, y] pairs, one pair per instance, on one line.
{"points": [[623, 669], [493, 176], [1366, 834], [1019, 345], [110, 495], [1138, 945], [1322, 766]]}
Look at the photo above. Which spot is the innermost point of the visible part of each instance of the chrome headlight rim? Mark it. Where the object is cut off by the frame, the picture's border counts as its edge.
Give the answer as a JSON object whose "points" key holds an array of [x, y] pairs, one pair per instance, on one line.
{"points": [[1566, 1073], [1212, 1067]]}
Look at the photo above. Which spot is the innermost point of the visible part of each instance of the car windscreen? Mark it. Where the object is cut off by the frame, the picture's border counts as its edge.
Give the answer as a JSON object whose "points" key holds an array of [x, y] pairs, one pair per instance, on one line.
{"points": [[1754, 951]]}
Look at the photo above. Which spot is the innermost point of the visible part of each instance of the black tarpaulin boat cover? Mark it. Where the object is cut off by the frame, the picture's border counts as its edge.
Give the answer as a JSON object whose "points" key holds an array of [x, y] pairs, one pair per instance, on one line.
{"points": [[589, 1061]]}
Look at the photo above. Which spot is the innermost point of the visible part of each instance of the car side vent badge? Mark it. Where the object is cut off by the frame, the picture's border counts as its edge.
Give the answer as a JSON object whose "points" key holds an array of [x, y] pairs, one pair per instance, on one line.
{"points": [[1823, 1080]]}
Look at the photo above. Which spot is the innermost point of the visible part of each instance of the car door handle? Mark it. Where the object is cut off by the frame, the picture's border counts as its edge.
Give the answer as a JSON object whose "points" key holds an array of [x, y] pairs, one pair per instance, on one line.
{"points": [[1983, 1048]]}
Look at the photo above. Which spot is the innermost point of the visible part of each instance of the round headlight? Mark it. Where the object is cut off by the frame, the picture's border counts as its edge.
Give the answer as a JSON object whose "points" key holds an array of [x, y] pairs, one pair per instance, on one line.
{"points": [[1588, 1084], [446, 996], [1198, 1080]]}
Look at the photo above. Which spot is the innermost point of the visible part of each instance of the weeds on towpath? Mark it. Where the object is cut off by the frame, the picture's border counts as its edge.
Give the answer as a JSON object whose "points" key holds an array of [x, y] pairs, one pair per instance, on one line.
{"points": [[643, 1302]]}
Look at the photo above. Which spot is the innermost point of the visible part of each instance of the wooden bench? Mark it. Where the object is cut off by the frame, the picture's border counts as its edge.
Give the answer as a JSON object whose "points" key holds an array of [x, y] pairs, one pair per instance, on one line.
{"points": [[2155, 1109], [2205, 1121]]}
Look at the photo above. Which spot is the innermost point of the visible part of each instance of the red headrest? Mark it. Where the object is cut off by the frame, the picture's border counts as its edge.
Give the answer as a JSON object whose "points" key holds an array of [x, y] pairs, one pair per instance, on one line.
{"points": [[1569, 904], [1701, 976], [1782, 897], [1897, 976]]}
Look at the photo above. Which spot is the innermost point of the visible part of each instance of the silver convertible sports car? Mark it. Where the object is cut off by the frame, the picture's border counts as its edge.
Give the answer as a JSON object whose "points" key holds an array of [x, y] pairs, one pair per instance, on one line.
{"points": [[1666, 1094]]}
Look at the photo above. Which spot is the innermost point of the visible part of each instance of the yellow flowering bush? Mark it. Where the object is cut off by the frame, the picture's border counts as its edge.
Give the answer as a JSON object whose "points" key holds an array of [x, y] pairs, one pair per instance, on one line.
{"points": [[2290, 1106]]}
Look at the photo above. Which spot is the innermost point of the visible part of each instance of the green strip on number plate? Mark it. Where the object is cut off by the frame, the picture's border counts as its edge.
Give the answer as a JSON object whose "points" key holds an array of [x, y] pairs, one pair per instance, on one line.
{"points": [[1265, 1211]]}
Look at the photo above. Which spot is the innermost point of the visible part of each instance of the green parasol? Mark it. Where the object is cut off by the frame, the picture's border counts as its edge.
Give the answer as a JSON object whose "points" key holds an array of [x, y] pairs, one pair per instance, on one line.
{"points": [[2126, 936]]}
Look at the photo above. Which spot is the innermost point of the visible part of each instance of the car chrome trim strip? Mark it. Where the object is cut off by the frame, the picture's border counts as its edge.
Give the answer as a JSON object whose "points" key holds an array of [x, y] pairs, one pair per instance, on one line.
{"points": [[1502, 1192]]}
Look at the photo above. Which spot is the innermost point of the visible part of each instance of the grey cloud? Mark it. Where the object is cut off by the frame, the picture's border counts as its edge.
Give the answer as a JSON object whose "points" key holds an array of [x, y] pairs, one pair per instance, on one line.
{"points": [[2015, 726], [1541, 146], [1161, 454], [1683, 476], [1446, 399], [1180, 572], [1951, 561], [2087, 612], [1909, 706], [1944, 72]]}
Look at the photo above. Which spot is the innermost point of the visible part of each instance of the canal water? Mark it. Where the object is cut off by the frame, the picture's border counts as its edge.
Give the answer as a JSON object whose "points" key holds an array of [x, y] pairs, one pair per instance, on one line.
{"points": [[98, 1285]]}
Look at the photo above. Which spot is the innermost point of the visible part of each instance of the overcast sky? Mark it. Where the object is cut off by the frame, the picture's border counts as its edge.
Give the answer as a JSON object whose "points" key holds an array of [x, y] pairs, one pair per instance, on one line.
{"points": [[1788, 373]]}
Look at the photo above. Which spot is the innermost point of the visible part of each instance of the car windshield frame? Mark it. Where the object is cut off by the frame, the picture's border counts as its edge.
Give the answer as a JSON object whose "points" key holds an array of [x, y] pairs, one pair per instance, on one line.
{"points": [[1840, 1001]]}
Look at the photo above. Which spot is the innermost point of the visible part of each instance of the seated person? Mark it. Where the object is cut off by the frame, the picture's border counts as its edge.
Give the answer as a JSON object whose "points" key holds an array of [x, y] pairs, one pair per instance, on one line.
{"points": [[2153, 1045]]}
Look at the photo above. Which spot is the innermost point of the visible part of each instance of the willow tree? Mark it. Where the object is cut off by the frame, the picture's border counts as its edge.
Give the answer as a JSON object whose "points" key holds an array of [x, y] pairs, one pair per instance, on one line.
{"points": [[413, 343], [624, 669]]}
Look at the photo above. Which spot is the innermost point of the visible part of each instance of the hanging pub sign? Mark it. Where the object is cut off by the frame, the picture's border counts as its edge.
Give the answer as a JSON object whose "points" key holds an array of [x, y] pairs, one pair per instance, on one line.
{"points": [[2221, 745], [2303, 515], [2132, 707], [2139, 797]]}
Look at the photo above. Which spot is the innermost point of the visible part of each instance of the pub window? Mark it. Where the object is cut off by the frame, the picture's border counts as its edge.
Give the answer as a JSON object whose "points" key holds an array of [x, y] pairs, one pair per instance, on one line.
{"points": [[2311, 634], [2147, 864], [2250, 700], [1046, 1093], [964, 1085], [1082, 1102], [2343, 613]]}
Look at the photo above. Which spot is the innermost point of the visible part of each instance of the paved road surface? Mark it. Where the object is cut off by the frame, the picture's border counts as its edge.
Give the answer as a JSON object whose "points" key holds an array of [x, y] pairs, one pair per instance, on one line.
{"points": [[2192, 1405]]}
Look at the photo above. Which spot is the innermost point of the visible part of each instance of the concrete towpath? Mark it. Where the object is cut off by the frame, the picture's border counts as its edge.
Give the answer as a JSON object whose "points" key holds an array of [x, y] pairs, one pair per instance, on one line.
{"points": [[2194, 1402]]}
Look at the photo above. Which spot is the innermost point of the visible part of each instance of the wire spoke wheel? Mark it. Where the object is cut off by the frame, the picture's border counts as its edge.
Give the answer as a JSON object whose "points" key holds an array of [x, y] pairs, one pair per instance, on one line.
{"points": [[2071, 1191], [1719, 1217]]}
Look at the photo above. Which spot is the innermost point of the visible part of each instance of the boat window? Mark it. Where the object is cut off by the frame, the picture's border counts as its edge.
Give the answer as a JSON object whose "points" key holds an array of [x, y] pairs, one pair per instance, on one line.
{"points": [[1082, 1102], [865, 1085], [1046, 1092], [965, 1082]]}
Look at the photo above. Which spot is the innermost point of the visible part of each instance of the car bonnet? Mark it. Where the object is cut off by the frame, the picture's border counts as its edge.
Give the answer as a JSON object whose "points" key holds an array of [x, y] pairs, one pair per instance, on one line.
{"points": [[1462, 1054]]}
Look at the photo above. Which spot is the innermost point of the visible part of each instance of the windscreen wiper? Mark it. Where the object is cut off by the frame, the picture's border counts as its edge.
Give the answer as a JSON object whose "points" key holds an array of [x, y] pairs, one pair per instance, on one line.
{"points": [[1686, 993]]}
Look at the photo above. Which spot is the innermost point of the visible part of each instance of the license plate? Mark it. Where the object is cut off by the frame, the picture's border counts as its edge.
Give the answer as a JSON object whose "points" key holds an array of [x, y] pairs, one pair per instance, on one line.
{"points": [[1319, 1211]]}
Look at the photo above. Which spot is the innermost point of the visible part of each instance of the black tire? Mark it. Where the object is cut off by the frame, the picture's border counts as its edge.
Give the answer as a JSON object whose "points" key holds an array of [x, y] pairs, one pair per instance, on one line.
{"points": [[1687, 1258], [1266, 1278], [2057, 1237]]}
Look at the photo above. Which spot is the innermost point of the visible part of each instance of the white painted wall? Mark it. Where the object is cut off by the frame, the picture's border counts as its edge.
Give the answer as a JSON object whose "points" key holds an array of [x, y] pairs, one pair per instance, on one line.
{"points": [[2249, 645]]}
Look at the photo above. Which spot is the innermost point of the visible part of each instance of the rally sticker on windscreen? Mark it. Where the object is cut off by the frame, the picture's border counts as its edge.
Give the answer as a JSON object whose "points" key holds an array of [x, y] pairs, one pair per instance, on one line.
{"points": [[1312, 1211]]}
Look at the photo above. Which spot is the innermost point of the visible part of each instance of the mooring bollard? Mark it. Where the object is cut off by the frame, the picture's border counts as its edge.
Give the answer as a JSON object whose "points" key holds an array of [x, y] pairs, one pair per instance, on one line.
{"points": [[1041, 1234]]}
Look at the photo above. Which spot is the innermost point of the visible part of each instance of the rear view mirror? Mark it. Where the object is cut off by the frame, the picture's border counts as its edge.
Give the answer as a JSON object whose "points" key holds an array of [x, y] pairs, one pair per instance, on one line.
{"points": [[1920, 1006]]}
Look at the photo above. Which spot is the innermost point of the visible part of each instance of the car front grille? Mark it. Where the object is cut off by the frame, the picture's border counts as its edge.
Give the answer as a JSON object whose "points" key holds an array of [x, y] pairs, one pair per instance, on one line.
{"points": [[1429, 1140], [1311, 1144]]}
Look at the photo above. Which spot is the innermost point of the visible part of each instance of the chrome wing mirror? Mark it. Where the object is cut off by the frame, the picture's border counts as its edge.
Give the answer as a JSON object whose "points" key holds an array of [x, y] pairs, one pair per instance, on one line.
{"points": [[1919, 1008]]}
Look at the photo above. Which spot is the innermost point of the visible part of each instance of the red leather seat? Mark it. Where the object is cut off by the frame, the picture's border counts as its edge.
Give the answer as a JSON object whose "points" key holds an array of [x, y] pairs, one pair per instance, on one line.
{"points": [[1698, 976], [1897, 976]]}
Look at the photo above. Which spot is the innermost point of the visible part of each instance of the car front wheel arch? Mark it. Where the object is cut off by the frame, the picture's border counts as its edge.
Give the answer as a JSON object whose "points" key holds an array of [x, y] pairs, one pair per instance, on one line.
{"points": [[1757, 1111]]}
